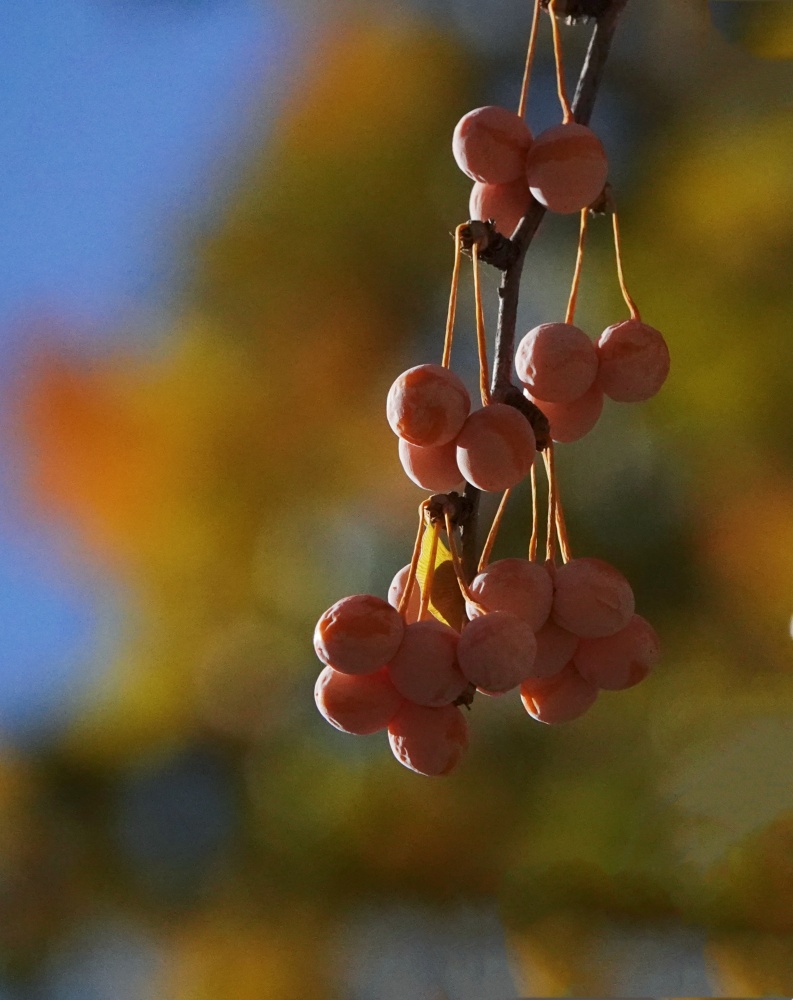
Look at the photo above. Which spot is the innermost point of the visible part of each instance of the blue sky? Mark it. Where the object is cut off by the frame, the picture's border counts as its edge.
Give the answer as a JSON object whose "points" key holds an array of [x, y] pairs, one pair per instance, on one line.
{"points": [[117, 118]]}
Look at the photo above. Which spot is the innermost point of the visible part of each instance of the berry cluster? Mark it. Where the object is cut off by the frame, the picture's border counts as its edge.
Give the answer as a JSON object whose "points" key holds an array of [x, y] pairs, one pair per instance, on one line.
{"points": [[557, 633]]}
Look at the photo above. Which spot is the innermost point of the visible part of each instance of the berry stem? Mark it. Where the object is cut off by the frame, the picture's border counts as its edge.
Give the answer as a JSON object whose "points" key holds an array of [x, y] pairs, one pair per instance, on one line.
{"points": [[404, 600], [579, 260], [550, 538], [458, 566], [561, 531], [481, 337], [535, 520], [493, 533], [524, 90], [447, 340], [620, 273], [567, 114]]}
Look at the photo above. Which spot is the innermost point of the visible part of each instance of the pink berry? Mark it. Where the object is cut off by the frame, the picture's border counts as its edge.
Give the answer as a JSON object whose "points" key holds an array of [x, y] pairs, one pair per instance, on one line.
{"points": [[556, 362], [521, 587], [424, 669], [591, 598], [566, 167], [430, 741], [359, 634], [555, 649], [433, 469], [490, 145], [359, 704], [427, 405], [496, 447], [496, 652], [560, 698], [505, 204], [572, 421], [619, 661], [634, 361]]}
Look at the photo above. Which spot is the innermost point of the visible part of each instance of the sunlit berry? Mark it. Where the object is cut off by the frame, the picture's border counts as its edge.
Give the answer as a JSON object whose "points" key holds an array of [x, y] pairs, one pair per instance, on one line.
{"points": [[496, 652], [556, 362], [561, 698], [519, 586], [359, 634], [395, 591], [633, 361], [490, 145], [427, 405], [555, 649], [591, 598], [430, 741], [496, 447], [433, 469], [505, 204], [566, 167], [424, 669], [571, 421], [619, 661], [359, 704]]}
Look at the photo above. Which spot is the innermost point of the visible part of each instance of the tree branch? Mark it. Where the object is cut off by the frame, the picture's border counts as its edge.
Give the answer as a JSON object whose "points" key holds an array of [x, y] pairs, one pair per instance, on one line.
{"points": [[509, 255]]}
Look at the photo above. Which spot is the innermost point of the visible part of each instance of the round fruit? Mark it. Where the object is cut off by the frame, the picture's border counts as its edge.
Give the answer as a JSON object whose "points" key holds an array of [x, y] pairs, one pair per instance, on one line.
{"points": [[591, 598], [496, 652], [424, 669], [396, 590], [359, 634], [519, 586], [490, 145], [619, 661], [496, 447], [430, 741], [427, 405], [634, 361], [359, 704], [566, 167], [505, 204], [555, 649], [433, 469], [560, 698], [572, 421], [556, 362]]}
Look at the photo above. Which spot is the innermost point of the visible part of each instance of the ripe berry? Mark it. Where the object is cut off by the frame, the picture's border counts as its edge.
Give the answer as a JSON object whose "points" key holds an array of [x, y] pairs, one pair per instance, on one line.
{"points": [[490, 145], [619, 661], [424, 669], [566, 167], [634, 361], [359, 634], [496, 652], [572, 421], [591, 598], [560, 698], [433, 469], [505, 204], [496, 447], [427, 405], [521, 587], [430, 741], [359, 704], [556, 362]]}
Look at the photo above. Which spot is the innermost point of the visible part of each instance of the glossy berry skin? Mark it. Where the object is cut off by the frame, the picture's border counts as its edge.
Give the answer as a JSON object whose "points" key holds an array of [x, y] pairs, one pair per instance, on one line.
{"points": [[359, 634], [561, 698], [429, 741], [496, 447], [496, 652], [505, 204], [566, 168], [490, 145], [556, 362], [427, 405], [633, 361], [619, 661], [518, 586], [571, 421], [424, 669], [433, 469], [591, 598], [359, 704], [396, 590]]}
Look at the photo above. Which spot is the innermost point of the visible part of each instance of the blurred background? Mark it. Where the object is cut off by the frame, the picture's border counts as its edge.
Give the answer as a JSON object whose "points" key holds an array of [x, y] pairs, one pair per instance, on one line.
{"points": [[225, 232]]}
